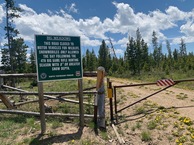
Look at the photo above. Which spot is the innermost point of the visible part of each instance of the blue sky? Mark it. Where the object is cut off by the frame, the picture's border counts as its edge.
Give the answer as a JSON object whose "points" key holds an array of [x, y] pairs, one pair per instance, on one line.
{"points": [[94, 21]]}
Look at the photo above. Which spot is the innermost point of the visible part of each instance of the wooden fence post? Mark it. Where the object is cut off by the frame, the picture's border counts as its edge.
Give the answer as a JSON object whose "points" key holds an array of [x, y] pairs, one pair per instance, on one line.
{"points": [[100, 97], [81, 108], [41, 106]]}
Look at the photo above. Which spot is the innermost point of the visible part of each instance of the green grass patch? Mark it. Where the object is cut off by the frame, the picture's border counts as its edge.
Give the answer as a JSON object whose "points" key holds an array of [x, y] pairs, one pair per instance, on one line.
{"points": [[146, 136], [151, 125]]}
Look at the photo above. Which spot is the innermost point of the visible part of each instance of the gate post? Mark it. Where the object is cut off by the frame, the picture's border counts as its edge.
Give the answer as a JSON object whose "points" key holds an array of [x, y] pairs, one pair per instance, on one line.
{"points": [[100, 98], [110, 95]]}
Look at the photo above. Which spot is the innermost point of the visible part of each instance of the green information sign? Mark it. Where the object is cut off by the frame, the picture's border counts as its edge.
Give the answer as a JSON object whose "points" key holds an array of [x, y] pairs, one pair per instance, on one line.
{"points": [[58, 57]]}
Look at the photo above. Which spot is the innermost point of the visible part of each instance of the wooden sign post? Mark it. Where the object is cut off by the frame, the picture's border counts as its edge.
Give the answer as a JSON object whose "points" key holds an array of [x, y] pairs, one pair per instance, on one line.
{"points": [[58, 58], [41, 106], [81, 106]]}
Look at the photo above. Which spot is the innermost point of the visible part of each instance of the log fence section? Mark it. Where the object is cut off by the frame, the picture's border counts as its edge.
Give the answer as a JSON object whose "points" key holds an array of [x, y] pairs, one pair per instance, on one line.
{"points": [[44, 96], [46, 114], [47, 94]]}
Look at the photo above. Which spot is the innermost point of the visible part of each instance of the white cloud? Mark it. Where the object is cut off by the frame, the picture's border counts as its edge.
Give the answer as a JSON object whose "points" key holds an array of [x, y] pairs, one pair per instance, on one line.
{"points": [[2, 13], [92, 30], [188, 28], [92, 27], [71, 8], [127, 21], [174, 14], [31, 23], [28, 11]]}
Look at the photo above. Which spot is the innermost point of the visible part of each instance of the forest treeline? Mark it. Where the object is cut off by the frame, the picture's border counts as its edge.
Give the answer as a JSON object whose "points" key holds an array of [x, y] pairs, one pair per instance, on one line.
{"points": [[137, 60]]}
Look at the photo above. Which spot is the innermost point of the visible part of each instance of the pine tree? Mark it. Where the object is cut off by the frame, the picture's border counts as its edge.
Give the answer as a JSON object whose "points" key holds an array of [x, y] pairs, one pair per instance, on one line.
{"points": [[169, 49], [145, 64], [130, 56], [183, 49], [87, 58], [32, 62], [84, 62], [9, 52], [138, 55], [92, 61], [103, 56], [19, 63], [182, 54], [169, 58], [175, 59], [157, 54]]}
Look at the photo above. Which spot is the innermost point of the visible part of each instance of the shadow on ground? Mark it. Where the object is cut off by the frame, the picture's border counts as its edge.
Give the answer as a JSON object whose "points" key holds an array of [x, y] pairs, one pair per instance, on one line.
{"points": [[141, 115], [41, 140]]}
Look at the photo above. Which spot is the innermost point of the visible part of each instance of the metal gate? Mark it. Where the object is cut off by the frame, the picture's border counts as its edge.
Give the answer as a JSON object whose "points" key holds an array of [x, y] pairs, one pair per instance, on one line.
{"points": [[165, 82]]}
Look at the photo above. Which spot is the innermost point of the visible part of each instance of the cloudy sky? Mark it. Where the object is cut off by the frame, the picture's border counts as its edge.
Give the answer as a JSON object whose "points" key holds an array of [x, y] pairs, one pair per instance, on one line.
{"points": [[96, 20]]}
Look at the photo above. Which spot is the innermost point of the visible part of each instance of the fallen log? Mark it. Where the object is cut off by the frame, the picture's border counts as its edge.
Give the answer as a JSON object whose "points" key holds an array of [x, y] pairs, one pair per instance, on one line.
{"points": [[7, 102]]}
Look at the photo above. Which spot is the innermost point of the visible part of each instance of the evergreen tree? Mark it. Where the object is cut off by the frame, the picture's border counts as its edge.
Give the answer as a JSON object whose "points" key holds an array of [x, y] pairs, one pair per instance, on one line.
{"points": [[155, 47], [92, 61], [157, 54], [8, 52], [84, 62], [32, 62], [145, 56], [169, 58], [138, 55], [183, 50], [103, 56], [19, 61], [169, 49], [190, 61], [130, 56], [87, 59], [175, 59], [182, 54]]}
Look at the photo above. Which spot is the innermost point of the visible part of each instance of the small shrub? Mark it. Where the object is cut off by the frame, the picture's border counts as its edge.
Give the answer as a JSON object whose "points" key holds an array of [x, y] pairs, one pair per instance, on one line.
{"points": [[146, 136], [151, 125], [56, 124], [138, 125], [104, 135], [141, 110], [126, 126]]}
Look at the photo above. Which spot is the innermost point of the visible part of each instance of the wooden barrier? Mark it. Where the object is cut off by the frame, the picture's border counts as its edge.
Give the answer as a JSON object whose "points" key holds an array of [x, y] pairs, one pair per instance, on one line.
{"points": [[43, 96], [46, 114]]}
